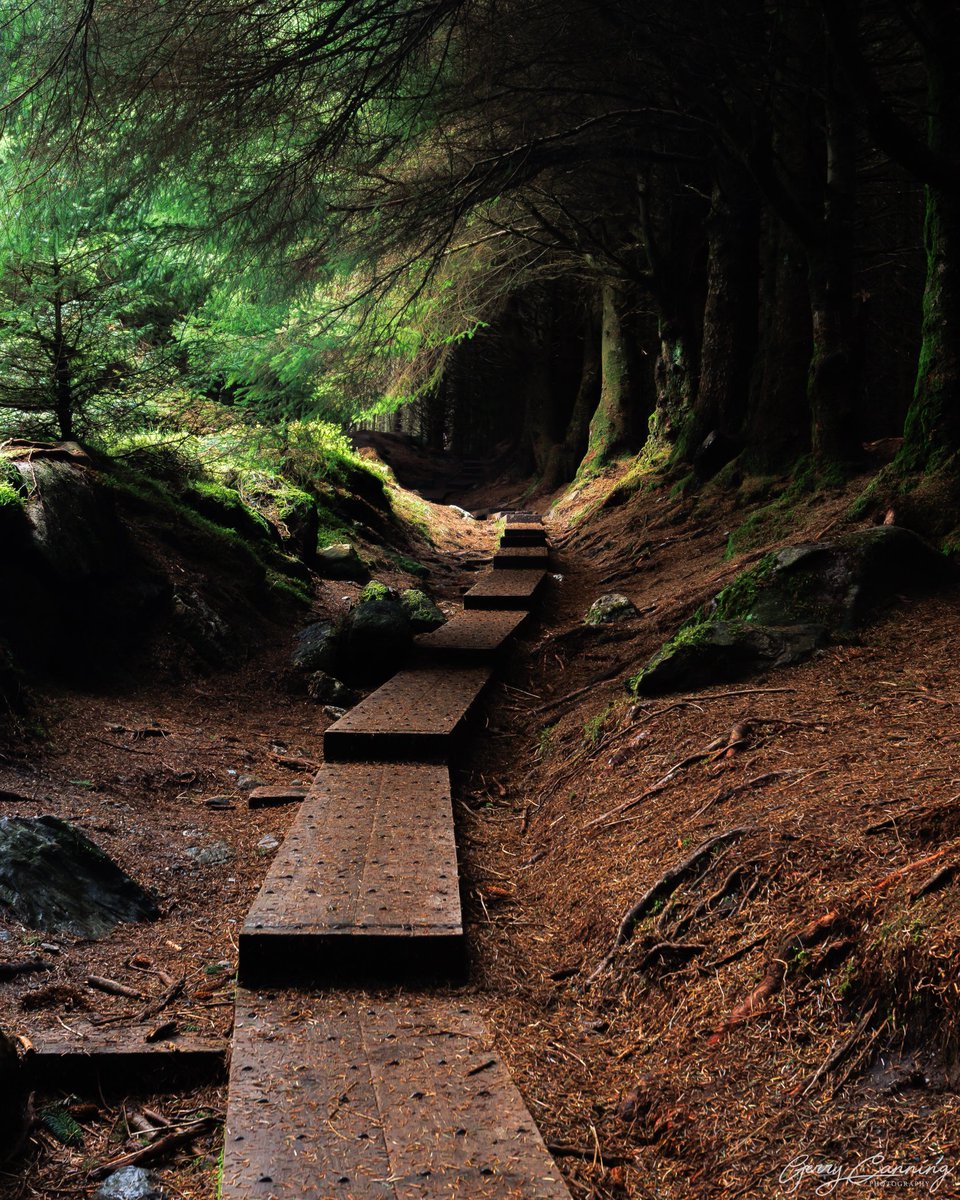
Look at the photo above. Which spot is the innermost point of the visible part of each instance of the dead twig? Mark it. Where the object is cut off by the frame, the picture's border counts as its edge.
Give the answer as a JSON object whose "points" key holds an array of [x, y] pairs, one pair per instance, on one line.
{"points": [[156, 1149], [112, 987]]}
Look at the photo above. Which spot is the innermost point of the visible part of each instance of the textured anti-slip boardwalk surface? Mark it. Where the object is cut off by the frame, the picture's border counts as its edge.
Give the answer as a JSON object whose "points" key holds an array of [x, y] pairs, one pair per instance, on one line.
{"points": [[521, 556], [334, 1099], [505, 589], [473, 633], [414, 714], [366, 881]]}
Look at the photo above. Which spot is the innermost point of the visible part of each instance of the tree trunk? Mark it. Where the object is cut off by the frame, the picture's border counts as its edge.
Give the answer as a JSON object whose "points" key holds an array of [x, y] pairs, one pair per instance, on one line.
{"points": [[62, 384], [778, 423], [612, 427], [834, 375], [562, 464], [932, 428], [730, 312]]}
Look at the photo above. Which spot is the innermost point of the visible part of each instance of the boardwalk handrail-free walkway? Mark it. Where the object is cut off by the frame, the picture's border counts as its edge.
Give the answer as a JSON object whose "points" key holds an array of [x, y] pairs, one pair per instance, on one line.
{"points": [[367, 1096]]}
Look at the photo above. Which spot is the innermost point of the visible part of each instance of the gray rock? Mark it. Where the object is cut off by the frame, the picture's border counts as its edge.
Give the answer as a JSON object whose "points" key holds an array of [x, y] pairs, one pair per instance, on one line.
{"points": [[327, 689], [316, 647], [721, 651], [246, 783], [341, 561], [423, 613], [267, 844], [215, 854], [201, 626], [130, 1183], [609, 608], [54, 878]]}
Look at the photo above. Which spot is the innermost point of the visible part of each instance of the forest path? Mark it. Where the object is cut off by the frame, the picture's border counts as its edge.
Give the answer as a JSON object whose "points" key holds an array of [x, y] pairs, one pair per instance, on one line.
{"points": [[354, 1091]]}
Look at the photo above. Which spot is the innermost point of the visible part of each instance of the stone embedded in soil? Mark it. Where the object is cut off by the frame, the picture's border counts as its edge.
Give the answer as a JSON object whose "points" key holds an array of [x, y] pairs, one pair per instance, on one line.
{"points": [[213, 855], [130, 1183], [724, 651], [54, 878], [341, 561], [609, 608], [377, 635]]}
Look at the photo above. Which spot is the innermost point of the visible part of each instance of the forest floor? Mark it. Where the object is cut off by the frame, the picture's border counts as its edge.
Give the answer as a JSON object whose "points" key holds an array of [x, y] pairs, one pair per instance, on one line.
{"points": [[836, 780]]}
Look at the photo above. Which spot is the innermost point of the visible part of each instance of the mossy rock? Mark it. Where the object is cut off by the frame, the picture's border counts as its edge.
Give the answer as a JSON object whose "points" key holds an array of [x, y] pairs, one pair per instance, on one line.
{"points": [[341, 561], [610, 608], [838, 583], [327, 689], [376, 638], [723, 651], [423, 613], [224, 506], [375, 590]]}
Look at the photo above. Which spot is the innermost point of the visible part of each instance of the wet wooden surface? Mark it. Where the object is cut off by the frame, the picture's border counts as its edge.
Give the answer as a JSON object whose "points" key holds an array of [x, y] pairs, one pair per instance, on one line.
{"points": [[370, 858], [400, 1098], [505, 589]]}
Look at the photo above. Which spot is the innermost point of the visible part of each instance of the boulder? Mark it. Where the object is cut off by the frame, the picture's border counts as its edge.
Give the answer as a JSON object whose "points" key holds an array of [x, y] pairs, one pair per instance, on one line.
{"points": [[130, 1183], [341, 561], [792, 601], [316, 647], [423, 613], [837, 583], [609, 608], [54, 878], [376, 636], [723, 651]]}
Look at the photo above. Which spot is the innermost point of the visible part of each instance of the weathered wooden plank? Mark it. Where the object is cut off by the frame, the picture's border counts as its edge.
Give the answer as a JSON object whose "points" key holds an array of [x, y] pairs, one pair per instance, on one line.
{"points": [[365, 884], [333, 1097], [472, 634], [514, 557], [102, 1053], [505, 590], [414, 715]]}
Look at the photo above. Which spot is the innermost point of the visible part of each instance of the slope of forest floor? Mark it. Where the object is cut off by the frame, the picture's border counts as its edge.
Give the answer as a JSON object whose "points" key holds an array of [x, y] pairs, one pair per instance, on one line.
{"points": [[836, 781]]}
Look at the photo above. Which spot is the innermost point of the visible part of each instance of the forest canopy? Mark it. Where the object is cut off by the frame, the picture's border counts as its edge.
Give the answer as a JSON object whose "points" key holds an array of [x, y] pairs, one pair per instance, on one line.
{"points": [[702, 231]]}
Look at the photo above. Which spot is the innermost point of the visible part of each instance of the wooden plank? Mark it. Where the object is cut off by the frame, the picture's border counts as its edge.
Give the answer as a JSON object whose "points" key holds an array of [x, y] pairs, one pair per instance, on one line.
{"points": [[366, 883], [472, 634], [302, 1121], [505, 590], [414, 715], [514, 557], [273, 796], [333, 1097], [83, 1052], [523, 535]]}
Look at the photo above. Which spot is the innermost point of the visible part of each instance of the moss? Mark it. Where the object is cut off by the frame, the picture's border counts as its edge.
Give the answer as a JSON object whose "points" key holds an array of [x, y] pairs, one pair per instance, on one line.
{"points": [[410, 565], [420, 608], [225, 506], [736, 600], [10, 497], [374, 590], [293, 589]]}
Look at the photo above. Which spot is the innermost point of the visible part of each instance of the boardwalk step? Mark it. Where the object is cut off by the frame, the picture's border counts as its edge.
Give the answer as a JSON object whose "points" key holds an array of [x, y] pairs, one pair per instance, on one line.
{"points": [[521, 556], [332, 1099], [520, 517], [472, 634], [110, 1055], [505, 589], [523, 535], [414, 715], [365, 883]]}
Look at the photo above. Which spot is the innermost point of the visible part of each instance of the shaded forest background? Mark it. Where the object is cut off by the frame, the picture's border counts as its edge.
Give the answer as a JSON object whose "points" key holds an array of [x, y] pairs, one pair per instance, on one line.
{"points": [[556, 234]]}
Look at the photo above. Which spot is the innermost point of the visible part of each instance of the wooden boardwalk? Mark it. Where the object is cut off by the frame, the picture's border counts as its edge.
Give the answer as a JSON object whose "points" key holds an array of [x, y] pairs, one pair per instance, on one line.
{"points": [[365, 883], [396, 1095]]}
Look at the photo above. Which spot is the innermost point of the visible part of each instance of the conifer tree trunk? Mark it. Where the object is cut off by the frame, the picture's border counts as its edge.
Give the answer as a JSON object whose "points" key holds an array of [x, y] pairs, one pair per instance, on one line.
{"points": [[932, 427], [612, 426], [730, 312], [834, 375], [562, 464]]}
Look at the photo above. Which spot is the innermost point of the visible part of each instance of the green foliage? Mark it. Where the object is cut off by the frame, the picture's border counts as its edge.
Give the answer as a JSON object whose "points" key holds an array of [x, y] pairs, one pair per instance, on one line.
{"points": [[593, 728]]}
